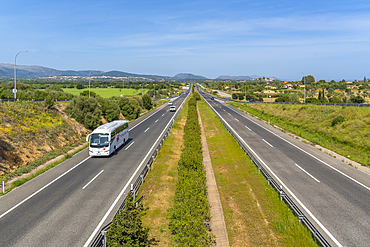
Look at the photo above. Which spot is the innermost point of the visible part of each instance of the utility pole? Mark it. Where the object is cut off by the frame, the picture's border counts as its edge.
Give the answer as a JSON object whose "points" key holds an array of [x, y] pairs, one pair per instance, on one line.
{"points": [[304, 81]]}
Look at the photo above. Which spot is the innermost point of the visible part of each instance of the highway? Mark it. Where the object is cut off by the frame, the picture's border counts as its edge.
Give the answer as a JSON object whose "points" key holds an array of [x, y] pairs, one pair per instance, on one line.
{"points": [[68, 205], [333, 195]]}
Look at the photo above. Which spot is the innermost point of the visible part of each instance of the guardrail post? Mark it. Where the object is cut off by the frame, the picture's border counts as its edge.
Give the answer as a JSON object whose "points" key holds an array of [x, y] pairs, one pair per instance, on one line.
{"points": [[259, 169], [104, 238], [281, 193], [268, 180], [300, 218], [142, 178], [133, 191], [148, 166]]}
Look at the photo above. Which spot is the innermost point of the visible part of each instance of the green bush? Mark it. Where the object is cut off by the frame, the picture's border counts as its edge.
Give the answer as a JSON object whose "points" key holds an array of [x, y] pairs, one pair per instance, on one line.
{"points": [[147, 102], [312, 100], [338, 120], [196, 96], [127, 227]]}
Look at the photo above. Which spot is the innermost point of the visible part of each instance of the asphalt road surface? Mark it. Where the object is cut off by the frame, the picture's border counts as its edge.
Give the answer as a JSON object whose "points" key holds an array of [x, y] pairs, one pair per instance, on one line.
{"points": [[68, 205], [333, 195]]}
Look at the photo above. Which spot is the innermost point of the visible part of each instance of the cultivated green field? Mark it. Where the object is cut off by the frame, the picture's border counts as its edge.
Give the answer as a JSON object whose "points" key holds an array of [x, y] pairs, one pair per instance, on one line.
{"points": [[105, 92]]}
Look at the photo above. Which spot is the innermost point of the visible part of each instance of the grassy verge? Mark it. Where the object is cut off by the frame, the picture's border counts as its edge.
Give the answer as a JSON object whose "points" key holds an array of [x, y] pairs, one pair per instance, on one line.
{"points": [[160, 184], [49, 156], [350, 137], [254, 215], [36, 163]]}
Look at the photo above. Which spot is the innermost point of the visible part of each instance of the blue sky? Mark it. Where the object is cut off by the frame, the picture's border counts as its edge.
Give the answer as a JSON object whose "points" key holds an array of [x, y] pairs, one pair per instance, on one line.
{"points": [[327, 39]]}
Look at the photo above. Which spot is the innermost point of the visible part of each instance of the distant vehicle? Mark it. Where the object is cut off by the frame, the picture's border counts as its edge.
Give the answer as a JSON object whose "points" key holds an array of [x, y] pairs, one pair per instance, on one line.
{"points": [[172, 108], [107, 138], [212, 98], [170, 103], [252, 100], [203, 92]]}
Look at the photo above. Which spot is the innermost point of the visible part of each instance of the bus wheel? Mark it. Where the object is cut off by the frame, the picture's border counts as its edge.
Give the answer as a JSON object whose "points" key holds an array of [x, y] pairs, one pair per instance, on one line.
{"points": [[124, 142], [115, 150]]}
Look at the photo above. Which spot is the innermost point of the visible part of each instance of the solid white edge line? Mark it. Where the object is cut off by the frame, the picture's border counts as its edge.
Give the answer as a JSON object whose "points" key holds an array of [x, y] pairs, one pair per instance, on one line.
{"points": [[92, 179], [129, 145], [147, 129], [308, 173], [335, 169], [32, 195], [267, 143], [125, 187], [282, 184]]}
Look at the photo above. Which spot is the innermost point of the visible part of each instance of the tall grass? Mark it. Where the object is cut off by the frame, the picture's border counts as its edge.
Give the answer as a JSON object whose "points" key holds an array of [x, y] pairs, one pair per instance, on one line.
{"points": [[254, 214], [350, 137]]}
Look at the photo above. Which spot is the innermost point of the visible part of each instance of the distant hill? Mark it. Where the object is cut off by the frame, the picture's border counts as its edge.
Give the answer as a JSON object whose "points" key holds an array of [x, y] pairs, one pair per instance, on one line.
{"points": [[237, 78], [7, 70], [115, 73], [34, 71], [184, 76]]}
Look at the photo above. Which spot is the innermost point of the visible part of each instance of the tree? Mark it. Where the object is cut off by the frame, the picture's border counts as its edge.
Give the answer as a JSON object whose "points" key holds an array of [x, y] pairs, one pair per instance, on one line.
{"points": [[335, 99], [49, 102], [110, 109], [86, 93], [240, 96], [80, 86], [130, 108], [234, 96], [356, 99], [127, 228], [309, 79], [86, 111], [147, 102]]}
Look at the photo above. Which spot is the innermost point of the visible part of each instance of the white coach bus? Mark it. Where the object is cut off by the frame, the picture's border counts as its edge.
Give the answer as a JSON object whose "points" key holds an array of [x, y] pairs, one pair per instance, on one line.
{"points": [[107, 138]]}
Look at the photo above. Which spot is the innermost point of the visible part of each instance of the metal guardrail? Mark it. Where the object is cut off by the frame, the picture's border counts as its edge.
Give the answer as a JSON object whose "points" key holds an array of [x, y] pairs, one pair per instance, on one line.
{"points": [[271, 181], [293, 103], [99, 239], [15, 100]]}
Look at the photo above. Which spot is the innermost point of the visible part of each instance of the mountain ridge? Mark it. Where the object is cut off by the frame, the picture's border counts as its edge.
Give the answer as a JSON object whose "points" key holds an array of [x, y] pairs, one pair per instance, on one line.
{"points": [[36, 71]]}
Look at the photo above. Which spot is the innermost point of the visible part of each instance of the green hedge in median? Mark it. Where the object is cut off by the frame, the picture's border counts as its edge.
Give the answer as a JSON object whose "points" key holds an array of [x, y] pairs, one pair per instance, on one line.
{"points": [[190, 213]]}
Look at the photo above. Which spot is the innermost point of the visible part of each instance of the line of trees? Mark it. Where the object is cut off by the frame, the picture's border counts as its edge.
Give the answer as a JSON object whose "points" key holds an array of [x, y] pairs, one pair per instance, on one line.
{"points": [[90, 111]]}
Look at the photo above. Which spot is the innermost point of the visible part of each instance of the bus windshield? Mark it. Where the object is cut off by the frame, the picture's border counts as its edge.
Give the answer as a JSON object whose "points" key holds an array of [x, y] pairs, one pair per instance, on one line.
{"points": [[99, 140]]}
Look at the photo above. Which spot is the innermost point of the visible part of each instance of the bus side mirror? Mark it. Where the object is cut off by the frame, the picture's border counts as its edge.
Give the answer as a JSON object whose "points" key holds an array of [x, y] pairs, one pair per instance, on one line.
{"points": [[88, 137]]}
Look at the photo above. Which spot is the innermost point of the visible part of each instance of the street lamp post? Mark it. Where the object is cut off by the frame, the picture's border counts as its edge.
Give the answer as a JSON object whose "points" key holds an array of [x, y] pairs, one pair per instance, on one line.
{"points": [[123, 89], [304, 81], [89, 81], [245, 91], [15, 75]]}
